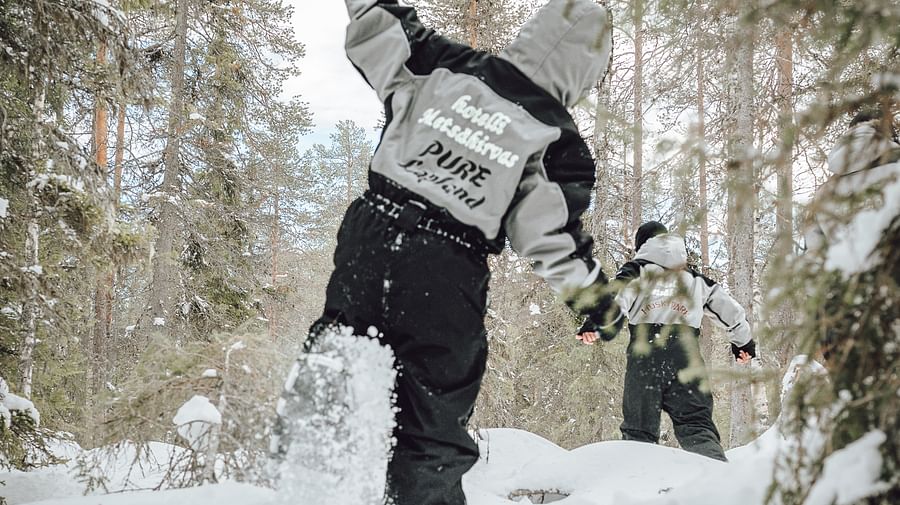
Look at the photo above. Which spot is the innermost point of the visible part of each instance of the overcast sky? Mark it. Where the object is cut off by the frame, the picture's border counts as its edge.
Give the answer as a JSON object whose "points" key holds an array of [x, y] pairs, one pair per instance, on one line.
{"points": [[328, 82]]}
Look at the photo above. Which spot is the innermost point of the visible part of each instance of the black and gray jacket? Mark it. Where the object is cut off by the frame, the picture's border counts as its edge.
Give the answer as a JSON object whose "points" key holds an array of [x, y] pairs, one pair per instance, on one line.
{"points": [[660, 290], [487, 139]]}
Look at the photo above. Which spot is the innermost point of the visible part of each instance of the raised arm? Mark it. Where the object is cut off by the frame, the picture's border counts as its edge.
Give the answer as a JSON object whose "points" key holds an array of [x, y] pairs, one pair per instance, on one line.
{"points": [[388, 44]]}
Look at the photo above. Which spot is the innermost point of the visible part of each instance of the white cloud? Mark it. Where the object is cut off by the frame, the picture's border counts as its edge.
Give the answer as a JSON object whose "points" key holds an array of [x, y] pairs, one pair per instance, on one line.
{"points": [[328, 82]]}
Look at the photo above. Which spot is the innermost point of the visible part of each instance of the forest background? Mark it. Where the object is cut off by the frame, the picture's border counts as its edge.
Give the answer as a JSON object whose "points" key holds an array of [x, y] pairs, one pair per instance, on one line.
{"points": [[163, 234]]}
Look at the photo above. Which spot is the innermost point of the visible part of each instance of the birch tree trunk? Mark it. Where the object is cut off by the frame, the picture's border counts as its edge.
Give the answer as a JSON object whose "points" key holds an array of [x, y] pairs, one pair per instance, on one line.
{"points": [[741, 207], [31, 309], [637, 201], [162, 288]]}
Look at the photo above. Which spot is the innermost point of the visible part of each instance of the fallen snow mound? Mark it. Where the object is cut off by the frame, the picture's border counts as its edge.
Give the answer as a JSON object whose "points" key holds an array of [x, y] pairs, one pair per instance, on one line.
{"points": [[514, 462]]}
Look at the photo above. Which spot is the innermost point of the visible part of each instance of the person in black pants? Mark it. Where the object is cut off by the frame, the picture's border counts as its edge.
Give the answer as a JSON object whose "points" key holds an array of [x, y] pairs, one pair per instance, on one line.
{"points": [[476, 149], [664, 302]]}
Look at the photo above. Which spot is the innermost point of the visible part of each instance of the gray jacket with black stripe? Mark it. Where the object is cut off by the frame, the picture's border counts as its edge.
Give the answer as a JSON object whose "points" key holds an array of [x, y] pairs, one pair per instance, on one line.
{"points": [[661, 291], [486, 138]]}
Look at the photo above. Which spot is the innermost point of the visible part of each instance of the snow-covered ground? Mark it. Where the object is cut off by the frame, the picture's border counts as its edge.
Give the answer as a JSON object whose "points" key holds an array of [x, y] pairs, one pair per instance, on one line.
{"points": [[514, 465], [514, 461]]}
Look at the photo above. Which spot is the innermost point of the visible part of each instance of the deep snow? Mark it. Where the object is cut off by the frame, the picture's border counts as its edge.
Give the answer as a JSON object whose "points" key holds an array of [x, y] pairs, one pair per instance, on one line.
{"points": [[605, 473], [514, 461]]}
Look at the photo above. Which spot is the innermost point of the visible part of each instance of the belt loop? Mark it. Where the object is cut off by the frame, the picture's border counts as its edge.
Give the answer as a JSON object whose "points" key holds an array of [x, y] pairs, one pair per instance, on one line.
{"points": [[410, 215]]}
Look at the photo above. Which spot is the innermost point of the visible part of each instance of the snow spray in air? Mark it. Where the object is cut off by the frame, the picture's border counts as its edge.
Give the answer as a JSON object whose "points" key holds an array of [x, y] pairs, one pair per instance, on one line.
{"points": [[332, 437]]}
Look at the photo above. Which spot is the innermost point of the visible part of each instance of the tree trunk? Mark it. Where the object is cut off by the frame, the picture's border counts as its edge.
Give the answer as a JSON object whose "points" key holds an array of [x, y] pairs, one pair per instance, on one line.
{"points": [[103, 291], [275, 239], [120, 155], [707, 341], [162, 288], [350, 165], [626, 198], [601, 187], [472, 20], [118, 161], [215, 431], [636, 194], [741, 207], [703, 204], [783, 348], [30, 308]]}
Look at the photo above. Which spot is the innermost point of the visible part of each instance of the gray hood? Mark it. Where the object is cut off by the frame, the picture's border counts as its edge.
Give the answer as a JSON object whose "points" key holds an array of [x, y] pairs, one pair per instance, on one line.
{"points": [[665, 250], [564, 48]]}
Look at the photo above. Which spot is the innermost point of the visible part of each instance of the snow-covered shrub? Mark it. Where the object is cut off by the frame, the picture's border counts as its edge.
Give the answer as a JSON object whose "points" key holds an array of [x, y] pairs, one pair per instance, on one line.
{"points": [[238, 376], [23, 443], [194, 421]]}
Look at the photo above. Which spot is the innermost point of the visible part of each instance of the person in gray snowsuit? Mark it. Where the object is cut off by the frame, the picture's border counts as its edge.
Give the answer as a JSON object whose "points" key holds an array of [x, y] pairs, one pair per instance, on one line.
{"points": [[664, 302], [476, 149]]}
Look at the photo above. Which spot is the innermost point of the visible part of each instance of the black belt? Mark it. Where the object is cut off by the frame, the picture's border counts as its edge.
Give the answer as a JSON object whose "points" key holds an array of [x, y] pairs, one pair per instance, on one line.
{"points": [[411, 215]]}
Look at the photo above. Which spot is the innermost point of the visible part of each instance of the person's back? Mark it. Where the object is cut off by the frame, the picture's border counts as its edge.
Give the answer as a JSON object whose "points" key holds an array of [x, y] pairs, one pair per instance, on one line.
{"points": [[664, 292], [485, 142], [664, 302], [476, 148]]}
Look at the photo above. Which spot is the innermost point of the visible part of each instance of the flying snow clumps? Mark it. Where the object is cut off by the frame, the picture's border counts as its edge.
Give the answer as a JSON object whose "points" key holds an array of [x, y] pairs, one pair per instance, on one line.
{"points": [[194, 420], [335, 421]]}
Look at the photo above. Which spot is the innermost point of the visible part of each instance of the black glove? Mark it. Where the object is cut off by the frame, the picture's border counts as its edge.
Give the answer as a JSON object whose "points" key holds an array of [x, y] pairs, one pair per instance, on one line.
{"points": [[595, 323], [749, 348], [597, 303]]}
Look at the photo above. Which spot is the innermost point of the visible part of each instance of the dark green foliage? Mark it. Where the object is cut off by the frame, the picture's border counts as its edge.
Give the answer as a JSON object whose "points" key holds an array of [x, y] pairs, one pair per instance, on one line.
{"points": [[23, 445], [864, 351]]}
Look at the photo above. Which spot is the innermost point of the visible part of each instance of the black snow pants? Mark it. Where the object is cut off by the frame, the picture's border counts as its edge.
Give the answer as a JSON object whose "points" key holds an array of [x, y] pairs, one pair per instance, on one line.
{"points": [[652, 384], [427, 297]]}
